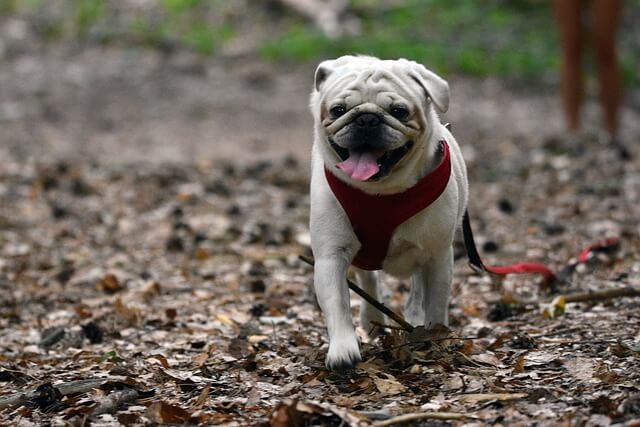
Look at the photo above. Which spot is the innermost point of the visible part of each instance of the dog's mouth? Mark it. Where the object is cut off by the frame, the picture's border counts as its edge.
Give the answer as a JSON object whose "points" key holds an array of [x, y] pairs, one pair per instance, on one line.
{"points": [[369, 165]]}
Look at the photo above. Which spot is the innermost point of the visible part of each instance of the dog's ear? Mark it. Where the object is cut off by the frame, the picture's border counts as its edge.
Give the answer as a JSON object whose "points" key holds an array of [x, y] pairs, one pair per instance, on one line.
{"points": [[322, 72], [434, 86]]}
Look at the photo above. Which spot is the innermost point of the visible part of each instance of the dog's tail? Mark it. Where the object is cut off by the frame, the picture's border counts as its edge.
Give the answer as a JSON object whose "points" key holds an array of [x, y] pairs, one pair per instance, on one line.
{"points": [[475, 261]]}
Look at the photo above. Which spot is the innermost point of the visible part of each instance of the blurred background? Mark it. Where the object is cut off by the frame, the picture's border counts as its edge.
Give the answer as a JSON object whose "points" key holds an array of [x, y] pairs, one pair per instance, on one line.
{"points": [[144, 80]]}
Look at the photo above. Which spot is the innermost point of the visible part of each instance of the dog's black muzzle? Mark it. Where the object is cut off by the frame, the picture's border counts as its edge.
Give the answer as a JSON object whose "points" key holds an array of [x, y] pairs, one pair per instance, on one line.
{"points": [[366, 133]]}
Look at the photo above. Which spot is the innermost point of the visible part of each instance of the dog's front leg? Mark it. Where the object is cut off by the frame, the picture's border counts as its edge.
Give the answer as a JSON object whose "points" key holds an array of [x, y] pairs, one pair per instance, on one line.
{"points": [[332, 291]]}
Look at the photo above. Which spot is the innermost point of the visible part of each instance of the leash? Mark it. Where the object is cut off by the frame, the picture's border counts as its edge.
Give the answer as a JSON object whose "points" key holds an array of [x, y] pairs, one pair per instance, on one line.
{"points": [[549, 277]]}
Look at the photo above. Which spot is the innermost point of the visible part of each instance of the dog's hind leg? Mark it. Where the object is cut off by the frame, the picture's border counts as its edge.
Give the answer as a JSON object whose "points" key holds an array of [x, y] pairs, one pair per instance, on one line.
{"points": [[437, 274], [414, 307], [428, 301], [368, 281]]}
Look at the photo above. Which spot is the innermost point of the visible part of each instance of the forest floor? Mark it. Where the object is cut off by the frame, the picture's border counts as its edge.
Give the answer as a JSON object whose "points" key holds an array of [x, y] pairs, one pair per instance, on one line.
{"points": [[152, 209]]}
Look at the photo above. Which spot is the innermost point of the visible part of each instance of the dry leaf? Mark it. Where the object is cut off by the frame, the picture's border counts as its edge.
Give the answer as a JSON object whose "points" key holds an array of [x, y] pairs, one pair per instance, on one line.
{"points": [[582, 368], [164, 413], [203, 397], [483, 397], [467, 348], [160, 358], [487, 359], [130, 314], [518, 367], [151, 290], [554, 309], [389, 386], [110, 284]]}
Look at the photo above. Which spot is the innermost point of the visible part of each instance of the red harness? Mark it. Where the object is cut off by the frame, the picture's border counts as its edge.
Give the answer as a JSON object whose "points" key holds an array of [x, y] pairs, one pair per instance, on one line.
{"points": [[374, 218]]}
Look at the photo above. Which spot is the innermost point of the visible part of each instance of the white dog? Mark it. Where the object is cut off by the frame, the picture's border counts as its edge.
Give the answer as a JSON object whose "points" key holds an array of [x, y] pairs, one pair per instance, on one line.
{"points": [[388, 190]]}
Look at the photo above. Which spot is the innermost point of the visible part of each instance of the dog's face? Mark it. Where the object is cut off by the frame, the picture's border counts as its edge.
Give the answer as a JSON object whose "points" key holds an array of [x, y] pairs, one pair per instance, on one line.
{"points": [[372, 116]]}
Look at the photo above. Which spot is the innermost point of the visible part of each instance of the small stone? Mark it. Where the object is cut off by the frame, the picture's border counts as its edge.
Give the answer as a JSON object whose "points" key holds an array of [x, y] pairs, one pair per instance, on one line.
{"points": [[553, 229], [199, 237], [255, 268], [291, 202], [234, 210], [485, 332], [505, 206], [93, 332], [500, 311], [80, 188], [257, 286], [218, 187], [631, 406], [522, 340], [490, 246], [50, 336], [174, 244], [258, 310], [59, 212]]}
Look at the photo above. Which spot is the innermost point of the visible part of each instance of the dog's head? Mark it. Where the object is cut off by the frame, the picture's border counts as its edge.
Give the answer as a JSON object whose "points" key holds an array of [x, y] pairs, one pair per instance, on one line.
{"points": [[373, 116]]}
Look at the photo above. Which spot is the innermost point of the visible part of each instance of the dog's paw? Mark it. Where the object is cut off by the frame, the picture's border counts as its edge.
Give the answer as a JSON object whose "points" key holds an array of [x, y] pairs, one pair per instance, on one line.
{"points": [[344, 353]]}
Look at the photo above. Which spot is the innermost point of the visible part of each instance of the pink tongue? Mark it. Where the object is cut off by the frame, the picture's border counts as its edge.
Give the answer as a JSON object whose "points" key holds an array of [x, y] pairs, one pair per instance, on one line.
{"points": [[359, 166]]}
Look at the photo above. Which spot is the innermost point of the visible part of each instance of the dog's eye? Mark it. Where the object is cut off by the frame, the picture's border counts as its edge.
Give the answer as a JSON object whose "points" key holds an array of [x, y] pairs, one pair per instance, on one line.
{"points": [[337, 111], [399, 113]]}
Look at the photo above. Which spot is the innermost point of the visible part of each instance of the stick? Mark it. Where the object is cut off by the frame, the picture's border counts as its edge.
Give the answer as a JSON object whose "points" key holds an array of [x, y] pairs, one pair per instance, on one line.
{"points": [[580, 342], [385, 326], [407, 418], [556, 333], [627, 291], [72, 387], [371, 300], [110, 403], [602, 295]]}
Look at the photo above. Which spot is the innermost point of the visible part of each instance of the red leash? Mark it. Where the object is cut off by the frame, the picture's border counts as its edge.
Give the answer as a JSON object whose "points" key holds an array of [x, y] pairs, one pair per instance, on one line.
{"points": [[475, 261]]}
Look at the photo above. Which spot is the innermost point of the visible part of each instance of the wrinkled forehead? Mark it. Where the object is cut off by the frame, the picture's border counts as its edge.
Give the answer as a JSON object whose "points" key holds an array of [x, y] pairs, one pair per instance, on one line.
{"points": [[381, 85]]}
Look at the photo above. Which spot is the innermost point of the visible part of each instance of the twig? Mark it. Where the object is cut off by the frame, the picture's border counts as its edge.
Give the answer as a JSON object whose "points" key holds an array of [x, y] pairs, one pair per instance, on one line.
{"points": [[556, 333], [627, 291], [602, 295], [371, 300], [407, 418], [579, 342], [73, 387], [385, 326], [110, 403]]}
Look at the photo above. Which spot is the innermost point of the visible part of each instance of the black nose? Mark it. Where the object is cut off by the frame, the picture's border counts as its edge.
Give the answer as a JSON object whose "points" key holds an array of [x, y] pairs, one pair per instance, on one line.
{"points": [[368, 120]]}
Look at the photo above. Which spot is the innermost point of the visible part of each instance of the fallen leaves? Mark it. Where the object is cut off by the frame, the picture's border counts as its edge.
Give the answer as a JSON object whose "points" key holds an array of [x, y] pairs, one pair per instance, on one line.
{"points": [[553, 309], [165, 413], [202, 301], [389, 386], [110, 284], [483, 397], [300, 413]]}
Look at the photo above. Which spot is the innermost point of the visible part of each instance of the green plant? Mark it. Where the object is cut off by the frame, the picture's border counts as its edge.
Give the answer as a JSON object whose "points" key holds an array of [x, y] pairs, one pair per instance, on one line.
{"points": [[86, 13]]}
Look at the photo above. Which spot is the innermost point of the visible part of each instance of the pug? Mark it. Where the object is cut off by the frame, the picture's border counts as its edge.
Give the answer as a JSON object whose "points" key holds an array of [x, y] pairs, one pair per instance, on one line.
{"points": [[388, 191]]}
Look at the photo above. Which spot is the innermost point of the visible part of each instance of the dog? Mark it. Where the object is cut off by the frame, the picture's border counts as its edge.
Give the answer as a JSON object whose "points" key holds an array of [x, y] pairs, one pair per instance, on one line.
{"points": [[379, 152]]}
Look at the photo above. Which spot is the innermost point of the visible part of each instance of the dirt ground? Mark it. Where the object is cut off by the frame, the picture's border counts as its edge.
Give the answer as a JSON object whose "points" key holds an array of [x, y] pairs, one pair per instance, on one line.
{"points": [[152, 207], [132, 104]]}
